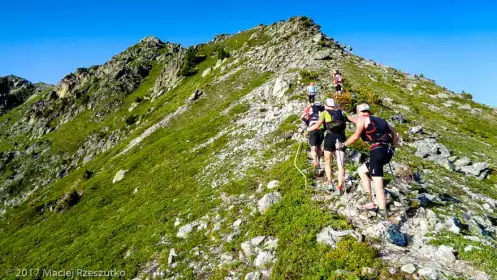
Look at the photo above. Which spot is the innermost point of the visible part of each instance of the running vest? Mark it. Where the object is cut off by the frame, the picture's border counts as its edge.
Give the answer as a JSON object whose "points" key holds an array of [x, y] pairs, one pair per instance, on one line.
{"points": [[337, 124], [377, 132], [314, 114]]}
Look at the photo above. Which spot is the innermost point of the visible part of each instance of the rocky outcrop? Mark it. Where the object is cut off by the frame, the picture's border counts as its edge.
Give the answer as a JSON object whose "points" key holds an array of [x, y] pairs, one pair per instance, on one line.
{"points": [[14, 91]]}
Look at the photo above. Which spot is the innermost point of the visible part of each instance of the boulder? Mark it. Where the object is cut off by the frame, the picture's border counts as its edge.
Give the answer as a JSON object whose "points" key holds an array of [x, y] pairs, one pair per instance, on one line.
{"points": [[323, 55], [408, 268], [263, 259], [267, 200], [280, 87]]}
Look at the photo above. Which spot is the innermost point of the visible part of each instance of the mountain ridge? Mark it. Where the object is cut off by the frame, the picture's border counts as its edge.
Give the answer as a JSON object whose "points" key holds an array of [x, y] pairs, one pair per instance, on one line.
{"points": [[171, 153]]}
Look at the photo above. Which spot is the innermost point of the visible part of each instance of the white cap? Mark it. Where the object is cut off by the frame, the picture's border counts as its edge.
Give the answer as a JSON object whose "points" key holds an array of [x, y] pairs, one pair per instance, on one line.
{"points": [[330, 102], [363, 107]]}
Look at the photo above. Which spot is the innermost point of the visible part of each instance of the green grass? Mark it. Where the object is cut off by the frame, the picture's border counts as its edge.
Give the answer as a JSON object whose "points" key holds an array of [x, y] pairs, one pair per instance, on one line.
{"points": [[109, 219]]}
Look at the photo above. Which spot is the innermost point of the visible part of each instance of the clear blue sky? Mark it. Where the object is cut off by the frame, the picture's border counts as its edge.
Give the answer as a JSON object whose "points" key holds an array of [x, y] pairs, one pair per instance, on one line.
{"points": [[453, 42]]}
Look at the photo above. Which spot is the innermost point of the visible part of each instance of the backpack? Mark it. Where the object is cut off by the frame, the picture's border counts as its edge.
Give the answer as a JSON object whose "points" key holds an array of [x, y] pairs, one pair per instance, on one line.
{"points": [[311, 90], [337, 123], [338, 78], [314, 113], [377, 131]]}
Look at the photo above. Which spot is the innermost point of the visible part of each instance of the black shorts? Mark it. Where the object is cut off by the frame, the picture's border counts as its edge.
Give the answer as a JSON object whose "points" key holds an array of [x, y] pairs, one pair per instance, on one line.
{"points": [[331, 139], [312, 98], [338, 87], [316, 138], [379, 156]]}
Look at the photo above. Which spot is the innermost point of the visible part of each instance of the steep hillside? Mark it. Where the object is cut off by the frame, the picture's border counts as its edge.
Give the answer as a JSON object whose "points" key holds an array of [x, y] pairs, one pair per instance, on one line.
{"points": [[183, 163]]}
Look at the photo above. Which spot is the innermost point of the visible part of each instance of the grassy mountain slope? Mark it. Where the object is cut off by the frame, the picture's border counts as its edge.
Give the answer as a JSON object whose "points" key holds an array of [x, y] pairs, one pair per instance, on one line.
{"points": [[202, 164]]}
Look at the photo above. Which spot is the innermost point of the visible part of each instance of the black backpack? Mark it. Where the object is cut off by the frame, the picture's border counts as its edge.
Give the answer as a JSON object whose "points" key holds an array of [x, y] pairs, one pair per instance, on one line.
{"points": [[314, 113], [377, 131], [338, 121]]}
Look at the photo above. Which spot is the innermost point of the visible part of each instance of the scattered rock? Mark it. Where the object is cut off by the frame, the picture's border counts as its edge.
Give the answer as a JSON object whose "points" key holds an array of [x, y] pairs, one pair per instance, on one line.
{"points": [[119, 176], [253, 276], [428, 272], [416, 129], [263, 259], [280, 87], [267, 200], [323, 54], [206, 72], [172, 256], [330, 237], [273, 184], [408, 268]]}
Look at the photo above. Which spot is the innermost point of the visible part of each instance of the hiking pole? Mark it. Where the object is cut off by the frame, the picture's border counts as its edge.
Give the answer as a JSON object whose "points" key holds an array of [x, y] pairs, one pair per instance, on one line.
{"points": [[295, 164], [391, 172], [345, 187]]}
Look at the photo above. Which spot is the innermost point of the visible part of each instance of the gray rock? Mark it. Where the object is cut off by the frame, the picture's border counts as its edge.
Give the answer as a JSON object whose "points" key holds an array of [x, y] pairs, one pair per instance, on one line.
{"points": [[172, 256], [270, 244], [323, 54], [454, 225], [256, 241], [273, 184], [428, 272], [267, 200], [408, 268], [445, 163], [253, 276], [479, 169], [263, 259], [462, 162], [280, 87], [119, 176], [317, 38], [416, 129], [186, 229], [246, 249], [330, 237], [446, 254], [226, 258]]}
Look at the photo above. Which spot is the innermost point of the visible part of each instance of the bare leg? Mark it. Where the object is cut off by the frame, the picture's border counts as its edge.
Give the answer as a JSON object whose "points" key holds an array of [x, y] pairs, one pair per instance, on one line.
{"points": [[315, 157], [366, 182], [327, 165], [341, 169], [380, 193], [318, 155]]}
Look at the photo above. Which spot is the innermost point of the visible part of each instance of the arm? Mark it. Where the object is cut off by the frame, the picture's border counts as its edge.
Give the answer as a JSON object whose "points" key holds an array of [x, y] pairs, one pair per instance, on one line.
{"points": [[358, 130], [351, 119], [395, 136], [315, 126]]}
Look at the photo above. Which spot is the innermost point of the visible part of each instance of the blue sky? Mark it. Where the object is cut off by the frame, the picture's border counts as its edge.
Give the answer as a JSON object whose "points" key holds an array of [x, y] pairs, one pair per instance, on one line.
{"points": [[452, 42]]}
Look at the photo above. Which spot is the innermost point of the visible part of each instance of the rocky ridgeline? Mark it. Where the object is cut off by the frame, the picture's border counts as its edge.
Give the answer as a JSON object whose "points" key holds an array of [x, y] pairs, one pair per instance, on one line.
{"points": [[98, 90], [15, 90], [417, 199]]}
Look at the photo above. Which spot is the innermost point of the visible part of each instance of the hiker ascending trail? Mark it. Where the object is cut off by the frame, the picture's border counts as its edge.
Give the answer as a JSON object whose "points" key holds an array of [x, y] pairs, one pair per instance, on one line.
{"points": [[334, 121], [311, 92], [311, 114], [337, 81], [382, 139]]}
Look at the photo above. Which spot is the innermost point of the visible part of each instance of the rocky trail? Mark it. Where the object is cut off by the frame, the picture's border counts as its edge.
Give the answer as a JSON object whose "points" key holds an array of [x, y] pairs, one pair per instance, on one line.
{"points": [[404, 241]]}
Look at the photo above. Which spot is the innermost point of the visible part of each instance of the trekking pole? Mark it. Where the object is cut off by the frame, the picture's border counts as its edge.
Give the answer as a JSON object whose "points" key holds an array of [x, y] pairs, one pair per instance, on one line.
{"points": [[391, 172], [295, 164], [345, 188]]}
